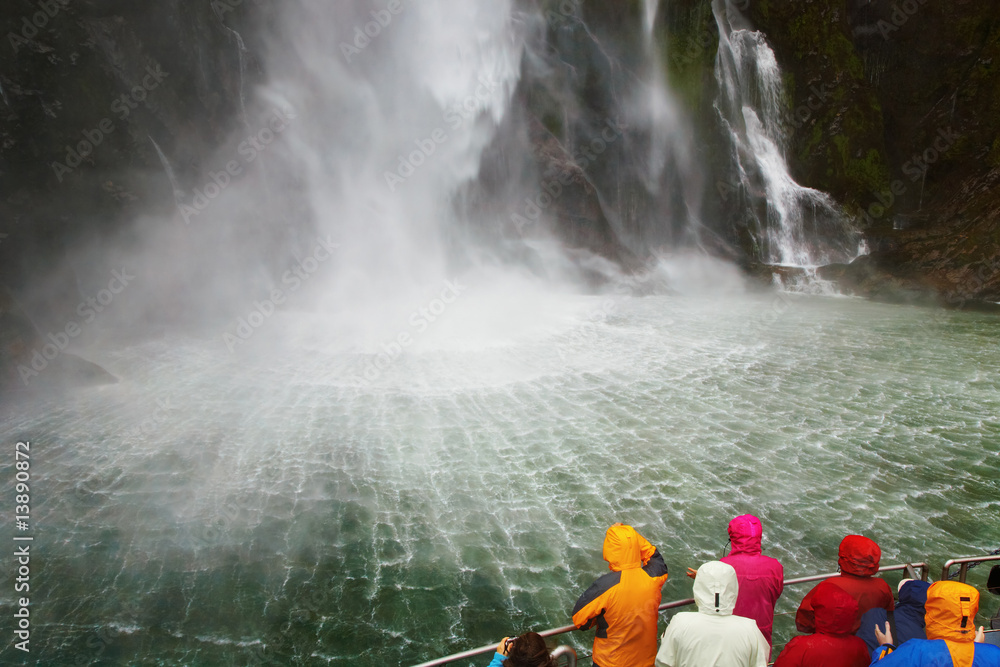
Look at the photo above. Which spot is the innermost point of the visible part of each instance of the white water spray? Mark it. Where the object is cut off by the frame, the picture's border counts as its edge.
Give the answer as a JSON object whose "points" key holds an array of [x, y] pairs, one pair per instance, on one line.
{"points": [[672, 162], [394, 111]]}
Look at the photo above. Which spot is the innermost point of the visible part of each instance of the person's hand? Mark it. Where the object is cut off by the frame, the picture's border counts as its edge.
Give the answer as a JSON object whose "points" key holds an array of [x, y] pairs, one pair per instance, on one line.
{"points": [[981, 635], [883, 638], [692, 572], [502, 646]]}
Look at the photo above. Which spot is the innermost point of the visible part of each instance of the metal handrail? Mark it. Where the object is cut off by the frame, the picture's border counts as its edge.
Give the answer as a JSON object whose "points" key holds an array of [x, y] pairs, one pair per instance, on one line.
{"points": [[910, 567], [964, 564], [564, 652], [923, 567]]}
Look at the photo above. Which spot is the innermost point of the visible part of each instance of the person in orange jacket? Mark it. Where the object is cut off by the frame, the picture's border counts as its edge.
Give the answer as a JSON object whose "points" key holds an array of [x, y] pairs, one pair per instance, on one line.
{"points": [[624, 603], [952, 638]]}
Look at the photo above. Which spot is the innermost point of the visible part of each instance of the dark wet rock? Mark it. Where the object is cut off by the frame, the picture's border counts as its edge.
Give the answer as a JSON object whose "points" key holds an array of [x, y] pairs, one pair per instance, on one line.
{"points": [[951, 258], [79, 79], [24, 366], [871, 95], [894, 112]]}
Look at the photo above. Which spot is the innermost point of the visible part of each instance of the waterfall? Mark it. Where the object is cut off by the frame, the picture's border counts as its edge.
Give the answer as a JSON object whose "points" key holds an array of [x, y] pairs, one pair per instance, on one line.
{"points": [[394, 104], [663, 114], [663, 158], [169, 170], [672, 146], [650, 8], [794, 225]]}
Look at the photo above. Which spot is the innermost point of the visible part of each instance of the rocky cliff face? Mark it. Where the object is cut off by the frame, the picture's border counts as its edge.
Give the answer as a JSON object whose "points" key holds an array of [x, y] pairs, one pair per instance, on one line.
{"points": [[93, 93], [895, 110], [111, 110]]}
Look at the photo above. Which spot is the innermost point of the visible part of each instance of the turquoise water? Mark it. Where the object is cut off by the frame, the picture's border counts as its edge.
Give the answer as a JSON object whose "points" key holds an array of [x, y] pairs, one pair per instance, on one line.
{"points": [[235, 509]]}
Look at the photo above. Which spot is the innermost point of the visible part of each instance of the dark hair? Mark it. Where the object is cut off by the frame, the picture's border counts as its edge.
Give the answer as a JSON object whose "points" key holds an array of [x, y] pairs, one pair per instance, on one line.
{"points": [[529, 650]]}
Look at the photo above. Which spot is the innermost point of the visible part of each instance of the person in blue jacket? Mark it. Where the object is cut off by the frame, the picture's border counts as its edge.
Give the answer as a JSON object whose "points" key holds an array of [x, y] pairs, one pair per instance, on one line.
{"points": [[908, 618], [952, 639], [528, 650]]}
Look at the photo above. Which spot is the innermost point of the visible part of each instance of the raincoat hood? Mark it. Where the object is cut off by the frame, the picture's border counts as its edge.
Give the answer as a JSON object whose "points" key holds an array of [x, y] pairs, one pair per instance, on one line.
{"points": [[716, 588], [914, 592], [745, 532], [835, 609], [624, 547], [950, 611], [859, 556]]}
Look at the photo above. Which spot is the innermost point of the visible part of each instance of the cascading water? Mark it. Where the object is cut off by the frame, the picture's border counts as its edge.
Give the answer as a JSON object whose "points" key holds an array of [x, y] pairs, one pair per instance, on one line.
{"points": [[391, 123], [272, 504], [795, 225], [673, 170], [607, 104]]}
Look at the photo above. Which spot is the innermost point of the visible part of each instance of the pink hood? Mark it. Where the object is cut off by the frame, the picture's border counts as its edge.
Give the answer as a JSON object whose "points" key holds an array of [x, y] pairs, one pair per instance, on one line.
{"points": [[745, 532]]}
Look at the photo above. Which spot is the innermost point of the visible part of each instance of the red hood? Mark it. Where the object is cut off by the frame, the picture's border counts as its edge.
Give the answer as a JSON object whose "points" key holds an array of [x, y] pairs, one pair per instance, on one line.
{"points": [[836, 611], [745, 532], [859, 556]]}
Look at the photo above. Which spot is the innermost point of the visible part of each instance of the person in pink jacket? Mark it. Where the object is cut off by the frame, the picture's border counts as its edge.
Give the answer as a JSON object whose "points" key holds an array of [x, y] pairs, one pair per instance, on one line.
{"points": [[761, 578]]}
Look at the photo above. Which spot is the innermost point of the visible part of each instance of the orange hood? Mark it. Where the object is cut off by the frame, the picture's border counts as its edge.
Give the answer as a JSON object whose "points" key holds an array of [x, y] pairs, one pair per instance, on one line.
{"points": [[625, 549], [950, 611], [950, 614]]}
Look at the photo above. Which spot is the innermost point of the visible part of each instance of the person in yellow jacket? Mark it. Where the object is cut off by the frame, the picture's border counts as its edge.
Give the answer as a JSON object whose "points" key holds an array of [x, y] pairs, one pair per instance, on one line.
{"points": [[623, 604]]}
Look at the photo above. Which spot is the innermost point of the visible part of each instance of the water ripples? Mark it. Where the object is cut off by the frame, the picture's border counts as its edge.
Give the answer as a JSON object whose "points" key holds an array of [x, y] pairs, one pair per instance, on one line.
{"points": [[214, 509]]}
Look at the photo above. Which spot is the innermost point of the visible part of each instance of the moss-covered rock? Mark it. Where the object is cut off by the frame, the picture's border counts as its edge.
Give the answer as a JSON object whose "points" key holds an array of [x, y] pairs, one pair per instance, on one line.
{"points": [[895, 108], [836, 124]]}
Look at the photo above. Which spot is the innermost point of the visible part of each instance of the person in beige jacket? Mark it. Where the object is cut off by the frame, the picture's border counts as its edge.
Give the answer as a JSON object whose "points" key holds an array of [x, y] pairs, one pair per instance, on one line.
{"points": [[713, 635]]}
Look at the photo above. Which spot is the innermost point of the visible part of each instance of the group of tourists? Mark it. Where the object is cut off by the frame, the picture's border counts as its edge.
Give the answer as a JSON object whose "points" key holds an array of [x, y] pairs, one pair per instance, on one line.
{"points": [[848, 620]]}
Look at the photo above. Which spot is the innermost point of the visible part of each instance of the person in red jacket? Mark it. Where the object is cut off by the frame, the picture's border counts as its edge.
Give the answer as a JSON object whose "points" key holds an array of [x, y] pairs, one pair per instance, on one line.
{"points": [[834, 643], [761, 577], [859, 559]]}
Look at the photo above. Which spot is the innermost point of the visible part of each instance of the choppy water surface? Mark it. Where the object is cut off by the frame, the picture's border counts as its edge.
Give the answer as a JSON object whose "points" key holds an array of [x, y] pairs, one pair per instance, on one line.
{"points": [[224, 509]]}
